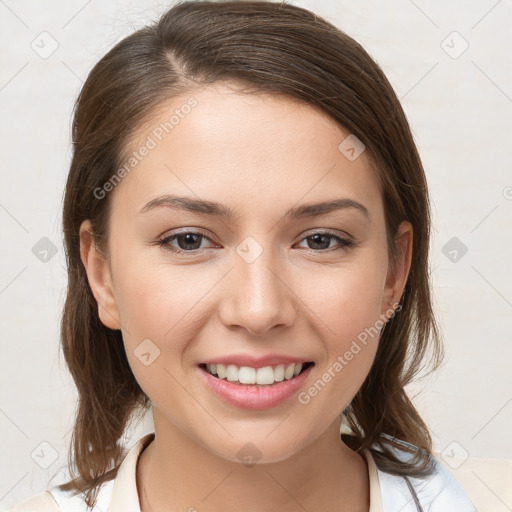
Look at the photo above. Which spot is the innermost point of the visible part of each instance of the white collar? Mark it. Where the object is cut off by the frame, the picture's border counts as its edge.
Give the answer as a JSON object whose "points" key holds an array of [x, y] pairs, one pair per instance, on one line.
{"points": [[437, 493]]}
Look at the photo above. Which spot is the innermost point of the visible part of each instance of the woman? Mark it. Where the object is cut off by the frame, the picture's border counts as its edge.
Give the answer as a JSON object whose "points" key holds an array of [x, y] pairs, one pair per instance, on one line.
{"points": [[247, 228]]}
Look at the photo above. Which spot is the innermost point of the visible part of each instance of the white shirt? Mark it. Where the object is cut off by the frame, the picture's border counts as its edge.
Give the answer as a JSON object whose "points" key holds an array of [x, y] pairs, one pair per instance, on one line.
{"points": [[439, 492]]}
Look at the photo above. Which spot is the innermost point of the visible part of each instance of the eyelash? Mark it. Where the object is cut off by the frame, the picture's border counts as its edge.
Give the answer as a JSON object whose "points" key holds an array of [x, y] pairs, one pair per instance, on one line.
{"points": [[344, 244]]}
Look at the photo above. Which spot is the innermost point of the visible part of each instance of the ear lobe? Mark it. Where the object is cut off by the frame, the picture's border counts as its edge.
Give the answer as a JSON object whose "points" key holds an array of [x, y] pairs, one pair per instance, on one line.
{"points": [[99, 277], [397, 276]]}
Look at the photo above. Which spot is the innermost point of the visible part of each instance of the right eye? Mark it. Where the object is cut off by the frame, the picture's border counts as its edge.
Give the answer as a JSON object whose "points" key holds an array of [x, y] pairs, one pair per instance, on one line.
{"points": [[188, 242]]}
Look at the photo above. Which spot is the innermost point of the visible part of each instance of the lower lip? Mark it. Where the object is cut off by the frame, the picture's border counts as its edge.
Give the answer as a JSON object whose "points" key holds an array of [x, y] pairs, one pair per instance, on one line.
{"points": [[247, 396]]}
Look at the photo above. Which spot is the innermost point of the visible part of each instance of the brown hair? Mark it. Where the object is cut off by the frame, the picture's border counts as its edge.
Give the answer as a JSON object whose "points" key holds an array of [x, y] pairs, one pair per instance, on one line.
{"points": [[278, 49]]}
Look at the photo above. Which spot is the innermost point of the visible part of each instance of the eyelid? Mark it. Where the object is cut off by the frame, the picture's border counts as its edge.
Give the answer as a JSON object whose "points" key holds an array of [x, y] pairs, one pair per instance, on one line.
{"points": [[327, 231], [184, 231]]}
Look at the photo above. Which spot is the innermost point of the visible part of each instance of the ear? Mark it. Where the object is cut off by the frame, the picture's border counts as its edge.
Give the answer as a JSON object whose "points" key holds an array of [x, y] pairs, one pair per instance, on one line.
{"points": [[99, 277], [397, 277]]}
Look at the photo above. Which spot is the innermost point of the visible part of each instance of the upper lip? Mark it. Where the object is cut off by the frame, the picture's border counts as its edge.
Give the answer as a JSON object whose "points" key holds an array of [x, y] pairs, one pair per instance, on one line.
{"points": [[256, 361]]}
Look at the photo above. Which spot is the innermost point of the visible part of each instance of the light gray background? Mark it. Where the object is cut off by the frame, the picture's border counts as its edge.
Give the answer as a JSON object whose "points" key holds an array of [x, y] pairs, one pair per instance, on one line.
{"points": [[459, 108]]}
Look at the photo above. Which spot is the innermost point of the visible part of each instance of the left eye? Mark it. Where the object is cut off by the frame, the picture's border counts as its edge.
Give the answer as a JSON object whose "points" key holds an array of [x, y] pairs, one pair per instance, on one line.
{"points": [[189, 242], [324, 239]]}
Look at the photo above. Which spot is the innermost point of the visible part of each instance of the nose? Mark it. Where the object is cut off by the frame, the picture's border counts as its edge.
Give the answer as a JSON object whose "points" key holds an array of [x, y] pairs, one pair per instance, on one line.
{"points": [[257, 295]]}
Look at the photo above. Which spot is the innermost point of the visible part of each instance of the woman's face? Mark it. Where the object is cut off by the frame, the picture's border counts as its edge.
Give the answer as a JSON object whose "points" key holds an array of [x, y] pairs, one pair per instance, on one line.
{"points": [[273, 279]]}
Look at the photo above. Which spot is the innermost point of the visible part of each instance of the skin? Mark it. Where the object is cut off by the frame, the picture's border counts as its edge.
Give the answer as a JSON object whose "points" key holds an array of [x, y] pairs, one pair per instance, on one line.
{"points": [[260, 155]]}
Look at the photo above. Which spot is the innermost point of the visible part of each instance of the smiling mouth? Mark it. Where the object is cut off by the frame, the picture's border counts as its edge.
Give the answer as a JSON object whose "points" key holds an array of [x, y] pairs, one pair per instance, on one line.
{"points": [[266, 376]]}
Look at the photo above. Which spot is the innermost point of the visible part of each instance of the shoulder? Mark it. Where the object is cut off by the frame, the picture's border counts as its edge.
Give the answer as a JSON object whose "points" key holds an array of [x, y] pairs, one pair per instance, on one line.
{"points": [[43, 502], [56, 500], [69, 502], [437, 492]]}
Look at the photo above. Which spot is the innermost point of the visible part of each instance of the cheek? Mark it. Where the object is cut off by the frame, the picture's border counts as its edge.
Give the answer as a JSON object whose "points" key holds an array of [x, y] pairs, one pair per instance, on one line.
{"points": [[160, 317], [165, 303], [349, 299], [347, 308], [159, 301], [156, 299], [148, 293]]}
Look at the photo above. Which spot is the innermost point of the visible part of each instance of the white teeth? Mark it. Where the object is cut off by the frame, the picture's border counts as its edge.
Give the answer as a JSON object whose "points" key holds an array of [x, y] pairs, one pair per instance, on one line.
{"points": [[262, 376], [279, 373], [221, 370], [231, 373], [247, 375]]}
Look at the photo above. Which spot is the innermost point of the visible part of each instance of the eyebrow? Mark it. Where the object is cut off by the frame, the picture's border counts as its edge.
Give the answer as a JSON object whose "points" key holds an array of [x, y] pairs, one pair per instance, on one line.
{"points": [[216, 209]]}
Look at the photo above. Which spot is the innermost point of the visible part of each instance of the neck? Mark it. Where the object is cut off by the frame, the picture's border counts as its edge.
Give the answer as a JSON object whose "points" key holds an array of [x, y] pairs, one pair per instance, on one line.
{"points": [[175, 474]]}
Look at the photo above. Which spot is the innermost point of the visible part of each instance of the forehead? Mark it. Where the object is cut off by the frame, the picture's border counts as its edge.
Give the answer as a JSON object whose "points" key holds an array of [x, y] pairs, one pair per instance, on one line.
{"points": [[244, 150]]}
